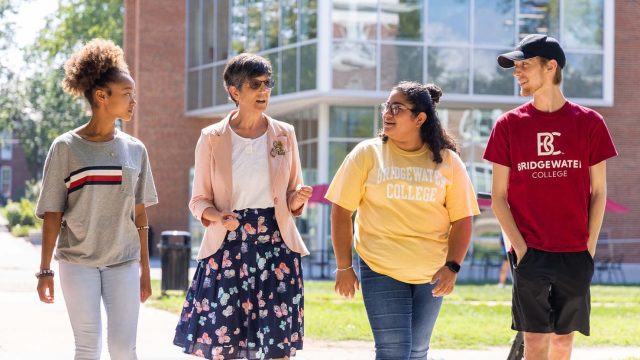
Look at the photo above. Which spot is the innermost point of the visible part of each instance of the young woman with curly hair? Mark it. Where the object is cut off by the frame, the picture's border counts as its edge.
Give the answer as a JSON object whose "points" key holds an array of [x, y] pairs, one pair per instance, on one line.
{"points": [[415, 202], [97, 181]]}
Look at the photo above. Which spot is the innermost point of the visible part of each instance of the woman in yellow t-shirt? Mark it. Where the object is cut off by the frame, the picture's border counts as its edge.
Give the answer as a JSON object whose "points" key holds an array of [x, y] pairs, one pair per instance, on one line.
{"points": [[414, 203]]}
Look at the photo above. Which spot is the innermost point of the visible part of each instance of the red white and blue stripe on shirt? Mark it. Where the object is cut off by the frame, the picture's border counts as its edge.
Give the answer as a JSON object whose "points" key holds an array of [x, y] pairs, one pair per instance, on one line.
{"points": [[93, 175]]}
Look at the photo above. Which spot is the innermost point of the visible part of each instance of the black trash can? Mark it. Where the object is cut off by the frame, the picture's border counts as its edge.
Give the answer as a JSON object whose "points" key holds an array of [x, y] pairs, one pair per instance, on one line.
{"points": [[175, 255]]}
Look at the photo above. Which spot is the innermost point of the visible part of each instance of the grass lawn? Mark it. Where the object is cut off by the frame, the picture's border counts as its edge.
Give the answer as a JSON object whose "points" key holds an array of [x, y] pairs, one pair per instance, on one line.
{"points": [[474, 316]]}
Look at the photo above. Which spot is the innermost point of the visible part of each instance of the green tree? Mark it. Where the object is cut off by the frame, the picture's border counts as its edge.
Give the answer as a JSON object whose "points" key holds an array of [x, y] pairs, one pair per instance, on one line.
{"points": [[7, 7], [45, 110], [7, 77], [76, 22]]}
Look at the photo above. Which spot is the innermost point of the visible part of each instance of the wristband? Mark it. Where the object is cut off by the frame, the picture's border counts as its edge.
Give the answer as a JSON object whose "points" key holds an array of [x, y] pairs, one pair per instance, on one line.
{"points": [[338, 269], [44, 273]]}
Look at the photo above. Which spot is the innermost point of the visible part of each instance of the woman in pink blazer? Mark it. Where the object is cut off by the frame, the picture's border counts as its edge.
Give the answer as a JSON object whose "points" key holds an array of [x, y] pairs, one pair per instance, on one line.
{"points": [[246, 298]]}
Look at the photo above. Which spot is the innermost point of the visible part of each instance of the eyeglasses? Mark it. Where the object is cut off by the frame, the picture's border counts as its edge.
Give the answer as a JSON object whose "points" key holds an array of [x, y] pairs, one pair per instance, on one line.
{"points": [[255, 84], [395, 109]]}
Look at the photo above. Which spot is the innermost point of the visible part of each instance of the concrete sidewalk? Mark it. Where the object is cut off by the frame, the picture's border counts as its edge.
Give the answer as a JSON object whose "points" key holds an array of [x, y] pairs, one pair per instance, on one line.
{"points": [[30, 329]]}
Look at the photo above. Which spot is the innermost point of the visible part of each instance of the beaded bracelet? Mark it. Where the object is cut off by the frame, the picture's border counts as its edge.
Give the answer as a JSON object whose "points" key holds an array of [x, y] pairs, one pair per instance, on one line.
{"points": [[143, 227], [338, 269], [44, 273]]}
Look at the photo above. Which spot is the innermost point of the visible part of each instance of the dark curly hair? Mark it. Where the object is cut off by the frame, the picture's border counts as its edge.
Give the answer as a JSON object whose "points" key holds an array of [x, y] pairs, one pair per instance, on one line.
{"points": [[95, 65], [424, 99]]}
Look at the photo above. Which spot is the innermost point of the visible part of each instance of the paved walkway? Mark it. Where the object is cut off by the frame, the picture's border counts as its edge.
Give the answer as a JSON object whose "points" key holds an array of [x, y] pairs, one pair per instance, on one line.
{"points": [[30, 329]]}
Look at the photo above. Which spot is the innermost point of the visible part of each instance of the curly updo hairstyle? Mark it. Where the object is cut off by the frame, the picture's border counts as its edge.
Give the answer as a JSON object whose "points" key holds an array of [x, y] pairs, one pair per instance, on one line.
{"points": [[98, 63], [424, 99]]}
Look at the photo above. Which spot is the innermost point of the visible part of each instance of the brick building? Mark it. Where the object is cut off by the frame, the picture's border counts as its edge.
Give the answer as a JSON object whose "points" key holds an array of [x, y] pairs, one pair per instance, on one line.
{"points": [[334, 61], [13, 168]]}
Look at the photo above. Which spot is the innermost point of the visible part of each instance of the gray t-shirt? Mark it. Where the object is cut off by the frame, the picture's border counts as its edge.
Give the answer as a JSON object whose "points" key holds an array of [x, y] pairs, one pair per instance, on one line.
{"points": [[96, 186]]}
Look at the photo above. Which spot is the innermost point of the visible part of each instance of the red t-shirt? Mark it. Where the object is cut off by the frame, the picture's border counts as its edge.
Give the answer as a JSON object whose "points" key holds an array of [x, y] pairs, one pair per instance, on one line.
{"points": [[549, 155]]}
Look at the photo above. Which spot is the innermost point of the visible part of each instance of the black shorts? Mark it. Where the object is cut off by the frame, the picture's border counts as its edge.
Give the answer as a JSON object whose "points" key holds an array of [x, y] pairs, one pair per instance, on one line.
{"points": [[551, 291]]}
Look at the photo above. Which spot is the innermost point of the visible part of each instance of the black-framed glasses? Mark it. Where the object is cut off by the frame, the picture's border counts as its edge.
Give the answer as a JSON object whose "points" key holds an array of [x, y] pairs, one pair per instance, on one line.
{"points": [[255, 84], [394, 109]]}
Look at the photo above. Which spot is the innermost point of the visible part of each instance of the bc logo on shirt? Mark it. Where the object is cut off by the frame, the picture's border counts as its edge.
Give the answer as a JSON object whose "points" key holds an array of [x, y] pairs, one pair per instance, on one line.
{"points": [[545, 143]]}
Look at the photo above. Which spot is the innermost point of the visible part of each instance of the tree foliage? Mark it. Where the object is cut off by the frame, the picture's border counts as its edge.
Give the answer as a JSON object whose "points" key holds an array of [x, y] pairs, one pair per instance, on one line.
{"points": [[7, 83], [47, 113], [36, 108], [7, 7], [78, 21]]}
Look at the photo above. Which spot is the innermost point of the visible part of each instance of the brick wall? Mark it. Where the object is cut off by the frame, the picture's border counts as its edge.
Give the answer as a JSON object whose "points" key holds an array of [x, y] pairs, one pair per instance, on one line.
{"points": [[154, 46], [19, 172], [623, 122]]}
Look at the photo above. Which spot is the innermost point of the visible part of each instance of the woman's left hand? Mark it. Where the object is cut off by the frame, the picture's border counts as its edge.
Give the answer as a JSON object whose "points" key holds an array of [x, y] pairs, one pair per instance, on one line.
{"points": [[145, 285], [302, 194], [445, 279]]}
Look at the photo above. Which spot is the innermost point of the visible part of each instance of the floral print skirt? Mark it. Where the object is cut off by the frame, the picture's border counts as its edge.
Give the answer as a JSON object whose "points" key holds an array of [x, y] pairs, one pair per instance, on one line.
{"points": [[246, 300]]}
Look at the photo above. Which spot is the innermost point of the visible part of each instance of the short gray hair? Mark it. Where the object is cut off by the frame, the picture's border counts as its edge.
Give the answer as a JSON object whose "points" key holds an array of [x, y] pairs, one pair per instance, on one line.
{"points": [[243, 67]]}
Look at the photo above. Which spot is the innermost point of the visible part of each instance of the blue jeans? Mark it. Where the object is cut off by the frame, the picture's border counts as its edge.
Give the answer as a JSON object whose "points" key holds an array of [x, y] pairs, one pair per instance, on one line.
{"points": [[401, 315]]}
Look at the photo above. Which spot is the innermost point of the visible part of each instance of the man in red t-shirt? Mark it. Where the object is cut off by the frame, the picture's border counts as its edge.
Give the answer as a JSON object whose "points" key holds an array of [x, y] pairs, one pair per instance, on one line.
{"points": [[549, 193]]}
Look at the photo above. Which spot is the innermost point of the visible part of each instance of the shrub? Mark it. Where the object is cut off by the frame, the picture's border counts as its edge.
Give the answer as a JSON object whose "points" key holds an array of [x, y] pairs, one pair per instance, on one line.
{"points": [[27, 213], [32, 190], [21, 213], [13, 213], [20, 230]]}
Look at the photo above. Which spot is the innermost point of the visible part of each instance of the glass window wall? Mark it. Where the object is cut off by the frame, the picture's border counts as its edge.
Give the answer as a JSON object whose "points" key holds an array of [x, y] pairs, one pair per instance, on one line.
{"points": [[308, 28], [354, 65], [289, 33], [347, 127], [288, 77], [271, 23], [206, 99], [583, 24], [355, 20], [539, 17], [377, 43], [448, 21], [308, 67], [449, 69], [238, 27], [400, 63], [5, 181], [462, 40], [495, 22], [193, 90], [582, 76], [488, 77], [208, 44], [283, 31], [221, 35], [194, 10], [221, 94], [401, 20], [6, 145], [305, 123]]}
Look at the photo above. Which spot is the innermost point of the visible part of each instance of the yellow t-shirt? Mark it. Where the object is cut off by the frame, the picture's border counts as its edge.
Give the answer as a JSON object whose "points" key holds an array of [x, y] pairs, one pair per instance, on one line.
{"points": [[406, 204]]}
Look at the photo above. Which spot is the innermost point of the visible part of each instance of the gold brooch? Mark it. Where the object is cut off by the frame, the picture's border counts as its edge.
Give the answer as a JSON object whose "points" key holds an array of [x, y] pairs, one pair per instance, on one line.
{"points": [[277, 149]]}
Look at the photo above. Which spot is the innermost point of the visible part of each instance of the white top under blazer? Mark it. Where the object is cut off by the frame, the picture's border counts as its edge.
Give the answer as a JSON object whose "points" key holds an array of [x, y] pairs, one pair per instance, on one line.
{"points": [[250, 171]]}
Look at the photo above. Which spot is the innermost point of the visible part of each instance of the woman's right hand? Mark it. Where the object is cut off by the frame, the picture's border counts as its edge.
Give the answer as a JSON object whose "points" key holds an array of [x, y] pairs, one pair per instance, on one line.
{"points": [[229, 220], [45, 289], [347, 283], [226, 218]]}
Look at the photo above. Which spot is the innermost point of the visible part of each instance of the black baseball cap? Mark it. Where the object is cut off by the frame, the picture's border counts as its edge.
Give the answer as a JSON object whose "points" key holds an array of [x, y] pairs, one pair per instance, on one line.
{"points": [[531, 46]]}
